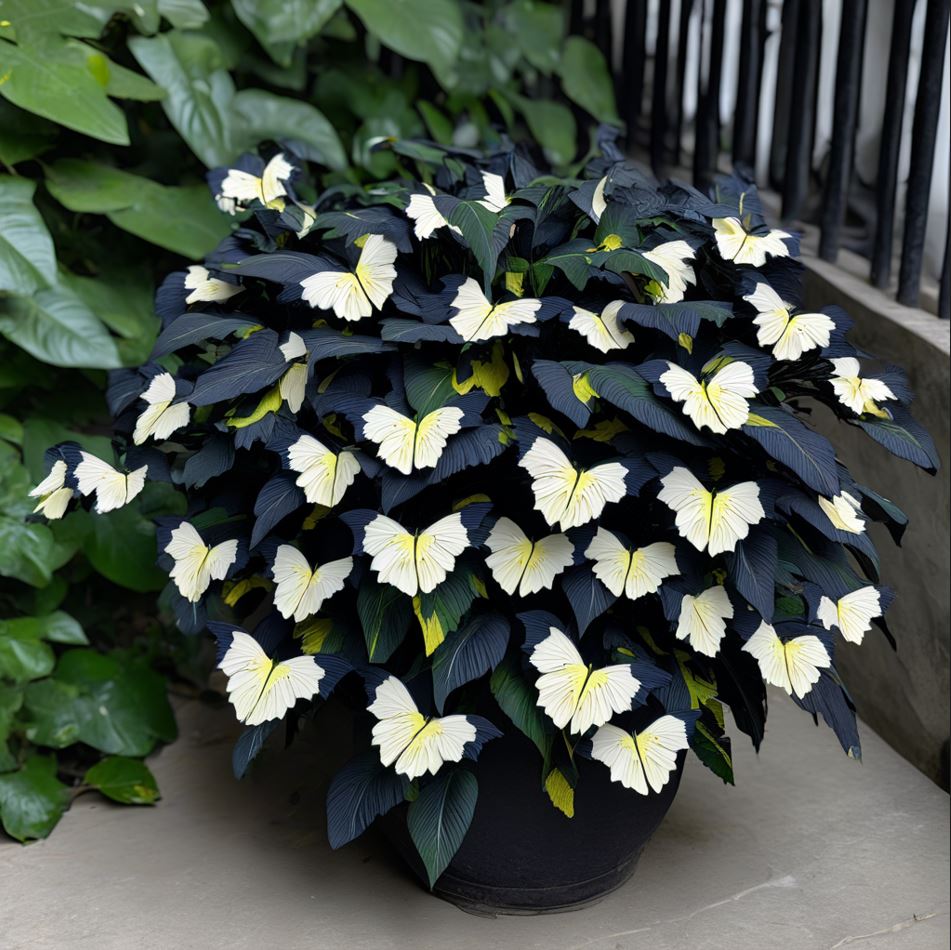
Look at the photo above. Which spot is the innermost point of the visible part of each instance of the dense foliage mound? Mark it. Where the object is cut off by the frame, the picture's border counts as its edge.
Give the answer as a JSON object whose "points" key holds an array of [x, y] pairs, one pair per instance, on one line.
{"points": [[520, 453]]}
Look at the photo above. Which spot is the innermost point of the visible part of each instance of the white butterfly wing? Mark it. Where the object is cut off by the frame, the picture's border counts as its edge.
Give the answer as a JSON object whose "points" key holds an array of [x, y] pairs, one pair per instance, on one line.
{"points": [[495, 198], [690, 502], [326, 581], [612, 560], [422, 210], [615, 748], [437, 549], [730, 237], [555, 652], [440, 740], [247, 667], [292, 575], [702, 619], [94, 475], [190, 554], [399, 719], [55, 480], [510, 552], [375, 269], [394, 435], [684, 387], [553, 478], [805, 657], [277, 171], [472, 308], [769, 651], [607, 691], [853, 614], [650, 565], [551, 555], [293, 679], [339, 291], [432, 432], [657, 747], [734, 511], [393, 550]]}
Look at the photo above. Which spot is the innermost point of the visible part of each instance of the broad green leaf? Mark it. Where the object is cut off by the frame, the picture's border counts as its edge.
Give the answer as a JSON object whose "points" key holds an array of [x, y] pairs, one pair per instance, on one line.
{"points": [[586, 80], [32, 799], [430, 31], [537, 29], [124, 780], [27, 258], [11, 429], [553, 125], [29, 18], [384, 615], [23, 135], [182, 219], [713, 752], [198, 91], [184, 14], [478, 227], [44, 78], [124, 303], [26, 551], [57, 627], [121, 547], [55, 326], [23, 654], [518, 700], [281, 25], [440, 817], [305, 129], [114, 704]]}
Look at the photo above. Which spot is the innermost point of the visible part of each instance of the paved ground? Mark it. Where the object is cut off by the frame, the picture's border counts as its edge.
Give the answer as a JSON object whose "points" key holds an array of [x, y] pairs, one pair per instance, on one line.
{"points": [[810, 852]]}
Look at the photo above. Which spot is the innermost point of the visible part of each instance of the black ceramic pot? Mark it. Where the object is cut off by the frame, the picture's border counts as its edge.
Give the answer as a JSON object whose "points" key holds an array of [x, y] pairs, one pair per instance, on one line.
{"points": [[522, 856]]}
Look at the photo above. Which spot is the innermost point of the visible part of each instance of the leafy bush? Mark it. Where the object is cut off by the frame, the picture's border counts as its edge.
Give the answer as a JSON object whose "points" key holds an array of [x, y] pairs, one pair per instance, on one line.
{"points": [[110, 113], [523, 452]]}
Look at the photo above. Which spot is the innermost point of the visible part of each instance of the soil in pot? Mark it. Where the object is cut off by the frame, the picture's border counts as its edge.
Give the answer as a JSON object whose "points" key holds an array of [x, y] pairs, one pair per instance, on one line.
{"points": [[523, 856]]}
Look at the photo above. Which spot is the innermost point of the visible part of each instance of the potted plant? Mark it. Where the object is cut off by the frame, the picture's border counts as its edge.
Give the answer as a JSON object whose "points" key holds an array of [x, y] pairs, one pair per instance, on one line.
{"points": [[526, 463]]}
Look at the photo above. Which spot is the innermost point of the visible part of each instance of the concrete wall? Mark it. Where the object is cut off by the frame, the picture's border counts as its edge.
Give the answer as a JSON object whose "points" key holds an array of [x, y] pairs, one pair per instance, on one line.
{"points": [[903, 696]]}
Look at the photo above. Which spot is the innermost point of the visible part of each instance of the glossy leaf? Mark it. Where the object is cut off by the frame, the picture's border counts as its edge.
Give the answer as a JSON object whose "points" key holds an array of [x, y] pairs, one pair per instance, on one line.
{"points": [[27, 259], [440, 817], [124, 780]]}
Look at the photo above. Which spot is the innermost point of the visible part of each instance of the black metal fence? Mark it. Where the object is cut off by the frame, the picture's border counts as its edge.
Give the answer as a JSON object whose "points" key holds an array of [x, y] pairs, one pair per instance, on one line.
{"points": [[657, 124]]}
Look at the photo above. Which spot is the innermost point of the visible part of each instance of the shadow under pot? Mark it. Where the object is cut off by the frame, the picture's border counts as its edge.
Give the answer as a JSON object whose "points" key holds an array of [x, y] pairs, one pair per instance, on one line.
{"points": [[523, 856]]}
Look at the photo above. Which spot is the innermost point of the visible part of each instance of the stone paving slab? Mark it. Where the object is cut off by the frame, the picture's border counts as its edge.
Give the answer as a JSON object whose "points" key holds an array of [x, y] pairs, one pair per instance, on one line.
{"points": [[810, 852]]}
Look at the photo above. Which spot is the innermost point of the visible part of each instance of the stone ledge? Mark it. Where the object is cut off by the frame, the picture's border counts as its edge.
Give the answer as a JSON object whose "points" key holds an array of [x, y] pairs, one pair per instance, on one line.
{"points": [[811, 851]]}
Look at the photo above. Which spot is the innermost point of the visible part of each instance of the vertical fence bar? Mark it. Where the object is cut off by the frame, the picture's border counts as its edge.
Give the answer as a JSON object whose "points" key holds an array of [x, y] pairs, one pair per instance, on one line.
{"points": [[944, 292], [887, 181], [683, 38], [848, 80], [802, 113], [784, 91], [747, 86], [603, 31], [633, 58], [576, 18], [707, 124], [923, 135], [659, 89]]}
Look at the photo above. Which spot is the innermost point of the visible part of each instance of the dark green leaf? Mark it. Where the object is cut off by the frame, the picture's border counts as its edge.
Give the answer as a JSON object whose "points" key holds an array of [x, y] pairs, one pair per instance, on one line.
{"points": [[27, 259], [32, 799], [518, 700], [124, 780], [586, 80], [384, 614], [440, 817], [361, 791], [468, 653]]}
